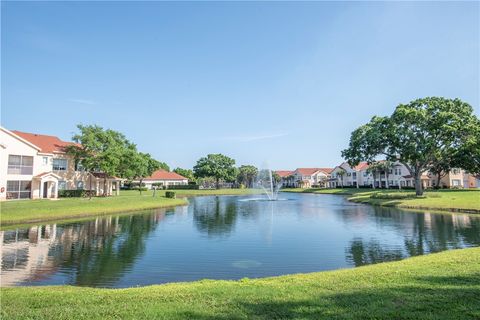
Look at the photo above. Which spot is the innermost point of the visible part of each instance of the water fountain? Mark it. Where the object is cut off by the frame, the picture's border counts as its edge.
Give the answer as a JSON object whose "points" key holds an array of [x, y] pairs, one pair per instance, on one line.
{"points": [[267, 183]]}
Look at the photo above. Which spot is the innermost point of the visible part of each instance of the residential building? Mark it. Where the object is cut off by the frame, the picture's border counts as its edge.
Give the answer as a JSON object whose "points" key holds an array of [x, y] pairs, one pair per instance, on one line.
{"points": [[396, 176], [305, 177], [35, 166], [163, 178]]}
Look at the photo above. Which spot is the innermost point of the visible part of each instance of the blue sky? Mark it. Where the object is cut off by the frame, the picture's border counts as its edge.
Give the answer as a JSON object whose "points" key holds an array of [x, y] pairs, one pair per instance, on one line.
{"points": [[278, 83]]}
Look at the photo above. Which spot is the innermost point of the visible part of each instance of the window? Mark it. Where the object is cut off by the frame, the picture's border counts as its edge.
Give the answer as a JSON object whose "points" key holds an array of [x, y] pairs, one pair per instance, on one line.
{"points": [[456, 183], [390, 171], [354, 175], [19, 189], [349, 174], [365, 173], [456, 171], [44, 161], [79, 166], [62, 185], [79, 185], [60, 164], [20, 164]]}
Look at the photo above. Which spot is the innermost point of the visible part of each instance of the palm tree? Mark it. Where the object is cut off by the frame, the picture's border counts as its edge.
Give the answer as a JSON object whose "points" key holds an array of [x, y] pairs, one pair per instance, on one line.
{"points": [[386, 166], [373, 168], [341, 172]]}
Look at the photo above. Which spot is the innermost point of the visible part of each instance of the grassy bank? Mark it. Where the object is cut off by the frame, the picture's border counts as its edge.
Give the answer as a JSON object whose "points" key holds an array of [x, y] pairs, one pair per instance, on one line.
{"points": [[443, 200], [438, 286], [31, 211]]}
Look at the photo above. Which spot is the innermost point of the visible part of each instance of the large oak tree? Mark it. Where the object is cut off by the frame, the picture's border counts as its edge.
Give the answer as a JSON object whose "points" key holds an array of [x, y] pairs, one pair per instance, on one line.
{"points": [[418, 134]]}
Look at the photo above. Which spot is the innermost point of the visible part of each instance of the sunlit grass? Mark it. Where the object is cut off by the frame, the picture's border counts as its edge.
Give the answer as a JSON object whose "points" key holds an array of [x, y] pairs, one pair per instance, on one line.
{"points": [[438, 286], [449, 200]]}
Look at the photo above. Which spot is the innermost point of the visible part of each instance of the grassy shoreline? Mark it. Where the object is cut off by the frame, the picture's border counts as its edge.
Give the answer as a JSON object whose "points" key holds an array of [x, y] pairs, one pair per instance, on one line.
{"points": [[464, 201], [443, 285], [35, 211]]}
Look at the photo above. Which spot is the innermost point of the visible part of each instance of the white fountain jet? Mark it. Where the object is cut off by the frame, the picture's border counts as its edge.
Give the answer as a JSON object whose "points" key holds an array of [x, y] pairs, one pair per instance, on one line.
{"points": [[268, 184]]}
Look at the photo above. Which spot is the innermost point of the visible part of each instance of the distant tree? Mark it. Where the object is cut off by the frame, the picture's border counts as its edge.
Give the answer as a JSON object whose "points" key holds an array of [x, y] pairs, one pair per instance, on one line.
{"points": [[247, 175], [99, 150], [163, 165], [187, 173], [139, 166], [217, 166], [468, 155], [414, 134], [341, 173], [374, 168]]}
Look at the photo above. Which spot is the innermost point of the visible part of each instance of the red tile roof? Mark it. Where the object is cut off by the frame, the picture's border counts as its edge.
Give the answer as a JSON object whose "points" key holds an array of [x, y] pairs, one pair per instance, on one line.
{"points": [[165, 175], [283, 173], [47, 144], [309, 171], [361, 166]]}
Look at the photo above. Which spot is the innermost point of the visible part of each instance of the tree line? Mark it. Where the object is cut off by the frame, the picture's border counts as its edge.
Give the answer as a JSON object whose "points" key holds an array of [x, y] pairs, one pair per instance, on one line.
{"points": [[110, 152]]}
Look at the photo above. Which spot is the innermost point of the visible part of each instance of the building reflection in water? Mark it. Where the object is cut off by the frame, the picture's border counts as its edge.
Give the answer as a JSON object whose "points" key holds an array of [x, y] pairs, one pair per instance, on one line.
{"points": [[88, 253]]}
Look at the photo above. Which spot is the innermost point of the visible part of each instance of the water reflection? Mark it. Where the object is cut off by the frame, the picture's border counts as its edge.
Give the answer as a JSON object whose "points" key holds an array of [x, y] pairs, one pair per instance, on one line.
{"points": [[215, 218], [257, 239], [87, 253]]}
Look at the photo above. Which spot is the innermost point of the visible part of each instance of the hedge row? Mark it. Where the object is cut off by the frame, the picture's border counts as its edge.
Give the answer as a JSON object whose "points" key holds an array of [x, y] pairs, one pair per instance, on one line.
{"points": [[75, 193]]}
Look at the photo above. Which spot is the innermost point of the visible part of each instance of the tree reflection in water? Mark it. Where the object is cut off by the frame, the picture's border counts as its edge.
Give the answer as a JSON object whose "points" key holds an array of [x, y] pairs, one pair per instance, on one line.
{"points": [[423, 233], [214, 217]]}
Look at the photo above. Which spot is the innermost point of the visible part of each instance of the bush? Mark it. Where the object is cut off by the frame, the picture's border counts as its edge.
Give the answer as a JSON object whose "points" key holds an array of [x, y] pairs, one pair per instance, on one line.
{"points": [[170, 194], [133, 186], [75, 193], [183, 187], [394, 196]]}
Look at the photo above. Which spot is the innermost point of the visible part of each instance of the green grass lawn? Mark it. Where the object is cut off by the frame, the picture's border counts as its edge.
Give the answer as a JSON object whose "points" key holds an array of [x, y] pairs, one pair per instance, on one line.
{"points": [[438, 286], [449, 200], [31, 211]]}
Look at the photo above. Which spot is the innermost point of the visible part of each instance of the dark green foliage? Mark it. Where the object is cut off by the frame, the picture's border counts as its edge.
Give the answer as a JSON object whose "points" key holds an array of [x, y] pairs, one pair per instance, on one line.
{"points": [[420, 135], [217, 166], [75, 193], [170, 194], [184, 187]]}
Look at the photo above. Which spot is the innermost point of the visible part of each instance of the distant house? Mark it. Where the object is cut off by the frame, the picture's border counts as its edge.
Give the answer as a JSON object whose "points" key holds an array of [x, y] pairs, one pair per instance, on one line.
{"points": [[35, 166], [163, 178], [397, 176], [305, 177]]}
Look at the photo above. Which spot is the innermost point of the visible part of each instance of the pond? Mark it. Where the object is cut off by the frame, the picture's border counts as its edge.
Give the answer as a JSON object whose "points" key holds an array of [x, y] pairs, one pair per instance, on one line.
{"points": [[226, 237]]}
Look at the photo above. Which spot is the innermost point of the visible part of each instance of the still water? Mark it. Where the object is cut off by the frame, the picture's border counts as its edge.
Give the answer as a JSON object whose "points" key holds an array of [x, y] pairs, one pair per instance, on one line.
{"points": [[226, 237]]}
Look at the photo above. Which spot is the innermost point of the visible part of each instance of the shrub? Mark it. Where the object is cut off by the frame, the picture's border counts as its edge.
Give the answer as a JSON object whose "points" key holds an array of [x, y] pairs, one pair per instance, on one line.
{"points": [[78, 193], [183, 187], [170, 194], [394, 196]]}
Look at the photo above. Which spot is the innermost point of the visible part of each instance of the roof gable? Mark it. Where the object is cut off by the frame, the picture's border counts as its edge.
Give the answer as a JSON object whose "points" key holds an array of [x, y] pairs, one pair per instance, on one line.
{"points": [[47, 144]]}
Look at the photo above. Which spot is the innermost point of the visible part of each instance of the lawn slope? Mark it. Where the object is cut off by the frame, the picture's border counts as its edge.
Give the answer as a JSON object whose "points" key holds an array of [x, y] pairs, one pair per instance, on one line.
{"points": [[438, 286], [31, 211], [467, 201]]}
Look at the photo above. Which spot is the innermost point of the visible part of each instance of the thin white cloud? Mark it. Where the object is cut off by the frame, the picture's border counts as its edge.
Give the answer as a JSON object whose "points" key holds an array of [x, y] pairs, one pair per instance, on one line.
{"points": [[248, 138], [83, 101]]}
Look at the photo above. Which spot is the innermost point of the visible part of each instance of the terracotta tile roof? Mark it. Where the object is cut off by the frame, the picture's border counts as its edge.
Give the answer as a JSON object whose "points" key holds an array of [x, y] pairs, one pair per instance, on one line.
{"points": [[326, 170], [47, 144], [283, 173], [361, 166], [309, 171], [165, 175]]}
